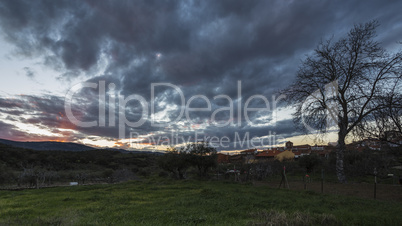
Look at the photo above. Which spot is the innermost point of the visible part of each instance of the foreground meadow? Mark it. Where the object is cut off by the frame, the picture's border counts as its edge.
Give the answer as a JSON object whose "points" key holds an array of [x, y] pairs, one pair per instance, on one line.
{"points": [[190, 202]]}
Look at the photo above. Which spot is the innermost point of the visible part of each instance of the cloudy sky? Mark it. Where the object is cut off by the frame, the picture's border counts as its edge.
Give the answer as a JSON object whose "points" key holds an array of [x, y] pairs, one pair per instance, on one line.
{"points": [[144, 72]]}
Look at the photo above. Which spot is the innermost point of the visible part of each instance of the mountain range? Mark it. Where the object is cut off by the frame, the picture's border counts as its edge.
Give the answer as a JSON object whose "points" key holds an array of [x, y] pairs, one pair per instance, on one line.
{"points": [[61, 146]]}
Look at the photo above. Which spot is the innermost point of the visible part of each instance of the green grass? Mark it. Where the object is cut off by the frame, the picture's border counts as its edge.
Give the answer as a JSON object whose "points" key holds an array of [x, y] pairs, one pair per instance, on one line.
{"points": [[189, 202]]}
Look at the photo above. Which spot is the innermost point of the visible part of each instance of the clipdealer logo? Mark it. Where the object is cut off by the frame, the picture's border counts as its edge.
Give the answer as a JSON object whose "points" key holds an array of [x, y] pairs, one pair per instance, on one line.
{"points": [[117, 105]]}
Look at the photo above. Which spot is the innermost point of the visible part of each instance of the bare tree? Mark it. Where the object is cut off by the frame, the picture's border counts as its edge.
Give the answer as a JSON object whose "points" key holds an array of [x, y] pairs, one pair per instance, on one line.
{"points": [[81, 177], [342, 84], [202, 156], [175, 161], [34, 176], [387, 126]]}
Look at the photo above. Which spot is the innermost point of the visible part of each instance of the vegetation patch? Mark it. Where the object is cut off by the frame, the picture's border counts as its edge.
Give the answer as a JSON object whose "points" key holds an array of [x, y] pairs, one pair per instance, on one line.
{"points": [[189, 202], [274, 217]]}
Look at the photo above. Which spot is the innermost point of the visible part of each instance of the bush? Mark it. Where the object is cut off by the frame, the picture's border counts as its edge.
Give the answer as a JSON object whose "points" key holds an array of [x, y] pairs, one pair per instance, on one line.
{"points": [[309, 162]]}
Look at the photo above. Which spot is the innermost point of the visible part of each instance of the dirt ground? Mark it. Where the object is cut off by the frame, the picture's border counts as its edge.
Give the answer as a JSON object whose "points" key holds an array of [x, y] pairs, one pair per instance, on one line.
{"points": [[387, 192]]}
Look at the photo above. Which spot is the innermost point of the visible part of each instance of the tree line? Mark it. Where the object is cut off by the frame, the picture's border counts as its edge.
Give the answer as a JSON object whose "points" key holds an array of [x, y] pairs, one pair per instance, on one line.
{"points": [[29, 168]]}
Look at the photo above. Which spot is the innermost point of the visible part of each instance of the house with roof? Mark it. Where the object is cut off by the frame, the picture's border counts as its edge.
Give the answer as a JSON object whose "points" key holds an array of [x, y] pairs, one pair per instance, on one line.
{"points": [[249, 155], [278, 153], [298, 150], [285, 155], [236, 158], [223, 158], [249, 152], [367, 144], [267, 154], [393, 138]]}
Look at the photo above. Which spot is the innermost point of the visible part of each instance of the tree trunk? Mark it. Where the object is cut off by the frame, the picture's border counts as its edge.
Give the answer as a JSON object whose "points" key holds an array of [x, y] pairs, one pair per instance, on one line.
{"points": [[341, 147], [181, 174]]}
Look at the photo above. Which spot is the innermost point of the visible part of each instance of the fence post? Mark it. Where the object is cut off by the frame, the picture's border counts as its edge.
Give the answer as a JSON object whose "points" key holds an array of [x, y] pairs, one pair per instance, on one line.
{"points": [[322, 180], [375, 183]]}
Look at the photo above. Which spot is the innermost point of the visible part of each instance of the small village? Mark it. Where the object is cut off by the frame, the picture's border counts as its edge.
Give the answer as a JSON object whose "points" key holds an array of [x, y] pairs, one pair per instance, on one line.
{"points": [[291, 152]]}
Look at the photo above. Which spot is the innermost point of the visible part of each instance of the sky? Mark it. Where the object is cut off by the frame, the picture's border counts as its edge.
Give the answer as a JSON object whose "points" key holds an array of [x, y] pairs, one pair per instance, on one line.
{"points": [[153, 74]]}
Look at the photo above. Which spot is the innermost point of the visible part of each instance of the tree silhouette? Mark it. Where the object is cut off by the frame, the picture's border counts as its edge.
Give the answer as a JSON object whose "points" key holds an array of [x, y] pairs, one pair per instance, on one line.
{"points": [[202, 156], [175, 161], [342, 86]]}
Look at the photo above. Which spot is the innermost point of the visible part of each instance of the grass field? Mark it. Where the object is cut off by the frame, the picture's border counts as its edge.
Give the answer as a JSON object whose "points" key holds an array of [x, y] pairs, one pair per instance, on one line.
{"points": [[190, 202]]}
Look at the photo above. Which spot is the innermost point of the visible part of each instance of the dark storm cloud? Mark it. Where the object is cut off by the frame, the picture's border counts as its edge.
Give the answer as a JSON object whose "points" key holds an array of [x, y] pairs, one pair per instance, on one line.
{"points": [[11, 132], [202, 41], [202, 47], [41, 110], [225, 138], [48, 112]]}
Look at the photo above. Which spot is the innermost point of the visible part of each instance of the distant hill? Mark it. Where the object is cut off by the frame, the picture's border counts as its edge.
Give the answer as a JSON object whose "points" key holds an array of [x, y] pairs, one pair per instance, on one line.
{"points": [[136, 151], [64, 146], [48, 145]]}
